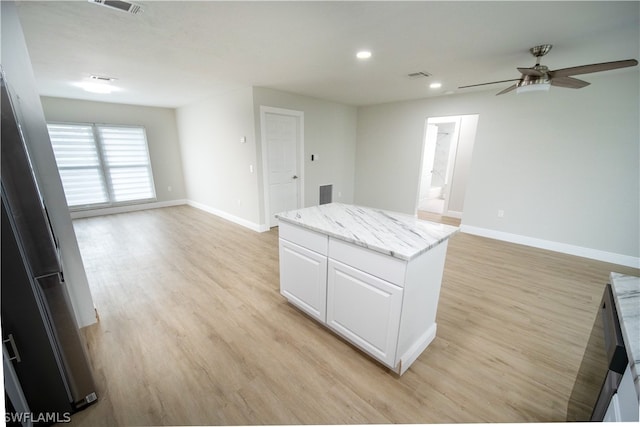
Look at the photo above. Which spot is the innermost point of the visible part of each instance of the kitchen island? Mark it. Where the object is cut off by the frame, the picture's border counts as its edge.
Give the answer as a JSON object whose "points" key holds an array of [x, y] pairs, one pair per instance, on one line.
{"points": [[371, 276], [626, 292]]}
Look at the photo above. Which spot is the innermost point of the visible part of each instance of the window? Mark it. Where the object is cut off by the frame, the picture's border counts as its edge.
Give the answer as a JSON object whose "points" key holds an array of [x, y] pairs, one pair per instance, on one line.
{"points": [[102, 165]]}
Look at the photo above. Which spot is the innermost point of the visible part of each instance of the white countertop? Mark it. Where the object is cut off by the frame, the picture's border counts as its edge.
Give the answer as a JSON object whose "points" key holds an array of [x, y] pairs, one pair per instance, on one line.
{"points": [[626, 291], [399, 235]]}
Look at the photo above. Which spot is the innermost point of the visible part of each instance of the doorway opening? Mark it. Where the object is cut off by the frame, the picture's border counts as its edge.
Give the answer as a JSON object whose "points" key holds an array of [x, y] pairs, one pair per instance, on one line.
{"points": [[446, 161]]}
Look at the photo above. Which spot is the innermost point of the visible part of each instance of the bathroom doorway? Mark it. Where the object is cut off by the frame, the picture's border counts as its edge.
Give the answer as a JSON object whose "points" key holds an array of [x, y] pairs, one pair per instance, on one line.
{"points": [[446, 160]]}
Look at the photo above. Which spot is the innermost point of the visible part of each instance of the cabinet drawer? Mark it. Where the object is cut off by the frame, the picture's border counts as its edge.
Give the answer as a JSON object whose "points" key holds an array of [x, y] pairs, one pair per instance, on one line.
{"points": [[380, 265], [301, 236]]}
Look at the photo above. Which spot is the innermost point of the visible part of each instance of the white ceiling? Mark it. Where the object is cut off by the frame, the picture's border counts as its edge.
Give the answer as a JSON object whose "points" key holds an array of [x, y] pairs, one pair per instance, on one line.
{"points": [[178, 52]]}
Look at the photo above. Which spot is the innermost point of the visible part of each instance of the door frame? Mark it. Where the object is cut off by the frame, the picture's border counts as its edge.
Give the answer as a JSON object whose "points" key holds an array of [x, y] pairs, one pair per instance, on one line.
{"points": [[451, 161], [299, 115]]}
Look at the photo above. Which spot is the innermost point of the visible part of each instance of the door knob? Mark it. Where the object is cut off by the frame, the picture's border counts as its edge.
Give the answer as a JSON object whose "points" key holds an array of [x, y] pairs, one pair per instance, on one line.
{"points": [[295, 176]]}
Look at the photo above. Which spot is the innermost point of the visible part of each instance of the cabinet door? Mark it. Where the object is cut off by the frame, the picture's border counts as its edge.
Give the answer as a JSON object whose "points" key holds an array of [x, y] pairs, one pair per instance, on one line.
{"points": [[303, 279], [365, 310], [613, 411]]}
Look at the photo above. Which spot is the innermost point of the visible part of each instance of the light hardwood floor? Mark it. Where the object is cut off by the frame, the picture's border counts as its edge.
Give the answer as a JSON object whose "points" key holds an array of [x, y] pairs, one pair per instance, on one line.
{"points": [[193, 330]]}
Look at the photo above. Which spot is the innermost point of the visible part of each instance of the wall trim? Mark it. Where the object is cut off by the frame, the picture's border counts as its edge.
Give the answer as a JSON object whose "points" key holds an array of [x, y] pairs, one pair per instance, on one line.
{"points": [[126, 208], [564, 248], [454, 214], [260, 228]]}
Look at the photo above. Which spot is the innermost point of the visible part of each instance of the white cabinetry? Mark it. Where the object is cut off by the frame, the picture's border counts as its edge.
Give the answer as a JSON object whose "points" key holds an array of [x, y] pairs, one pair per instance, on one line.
{"points": [[624, 404], [384, 305], [304, 281], [364, 309]]}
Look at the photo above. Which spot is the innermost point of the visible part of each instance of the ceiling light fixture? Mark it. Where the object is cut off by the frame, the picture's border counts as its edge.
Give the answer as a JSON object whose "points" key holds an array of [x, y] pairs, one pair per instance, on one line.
{"points": [[363, 54], [435, 85], [534, 87], [95, 87]]}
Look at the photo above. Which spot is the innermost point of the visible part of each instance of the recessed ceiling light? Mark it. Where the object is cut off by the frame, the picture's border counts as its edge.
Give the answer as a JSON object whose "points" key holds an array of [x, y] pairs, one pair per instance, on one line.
{"points": [[363, 54], [435, 85]]}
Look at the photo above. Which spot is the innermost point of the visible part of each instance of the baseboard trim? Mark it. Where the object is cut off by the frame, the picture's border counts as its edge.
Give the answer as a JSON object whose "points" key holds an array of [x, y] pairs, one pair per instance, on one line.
{"points": [[260, 228], [416, 349], [126, 208], [611, 257], [454, 214]]}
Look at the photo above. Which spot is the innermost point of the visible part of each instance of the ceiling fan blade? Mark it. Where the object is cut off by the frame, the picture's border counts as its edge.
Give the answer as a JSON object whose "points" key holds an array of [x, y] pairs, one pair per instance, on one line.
{"points": [[490, 83], [530, 72], [509, 89], [592, 68], [569, 82]]}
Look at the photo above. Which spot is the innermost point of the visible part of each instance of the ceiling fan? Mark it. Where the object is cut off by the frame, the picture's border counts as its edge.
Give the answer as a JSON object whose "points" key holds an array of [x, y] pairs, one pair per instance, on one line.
{"points": [[539, 77]]}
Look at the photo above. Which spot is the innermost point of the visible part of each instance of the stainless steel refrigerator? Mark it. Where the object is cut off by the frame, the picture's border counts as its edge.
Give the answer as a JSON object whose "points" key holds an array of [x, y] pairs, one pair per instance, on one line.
{"points": [[39, 333]]}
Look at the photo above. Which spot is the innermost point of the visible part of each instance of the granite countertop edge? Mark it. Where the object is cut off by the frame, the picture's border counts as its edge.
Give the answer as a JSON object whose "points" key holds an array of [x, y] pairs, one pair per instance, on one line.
{"points": [[407, 256], [626, 293]]}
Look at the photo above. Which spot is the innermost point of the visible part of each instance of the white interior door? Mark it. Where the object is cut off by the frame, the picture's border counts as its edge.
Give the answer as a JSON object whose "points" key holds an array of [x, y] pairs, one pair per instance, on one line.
{"points": [[282, 140]]}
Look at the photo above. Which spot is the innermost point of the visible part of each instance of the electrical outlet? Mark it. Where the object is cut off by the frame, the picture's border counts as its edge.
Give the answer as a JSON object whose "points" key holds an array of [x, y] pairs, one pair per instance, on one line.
{"points": [[169, 188], [500, 213]]}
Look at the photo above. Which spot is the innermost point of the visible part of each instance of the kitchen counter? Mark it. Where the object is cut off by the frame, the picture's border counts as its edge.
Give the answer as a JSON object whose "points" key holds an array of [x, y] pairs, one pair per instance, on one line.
{"points": [[626, 292], [398, 235], [371, 276]]}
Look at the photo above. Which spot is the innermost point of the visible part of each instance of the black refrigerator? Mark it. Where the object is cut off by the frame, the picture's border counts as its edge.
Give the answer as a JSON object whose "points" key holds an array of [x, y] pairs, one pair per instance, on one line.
{"points": [[40, 338]]}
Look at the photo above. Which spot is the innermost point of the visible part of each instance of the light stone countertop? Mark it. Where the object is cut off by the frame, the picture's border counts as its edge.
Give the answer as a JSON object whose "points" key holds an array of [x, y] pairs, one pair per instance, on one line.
{"points": [[399, 235], [626, 292]]}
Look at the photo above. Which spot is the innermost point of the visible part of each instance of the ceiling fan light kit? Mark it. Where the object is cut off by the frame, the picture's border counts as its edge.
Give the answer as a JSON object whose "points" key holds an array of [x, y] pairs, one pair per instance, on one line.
{"points": [[540, 78], [533, 87]]}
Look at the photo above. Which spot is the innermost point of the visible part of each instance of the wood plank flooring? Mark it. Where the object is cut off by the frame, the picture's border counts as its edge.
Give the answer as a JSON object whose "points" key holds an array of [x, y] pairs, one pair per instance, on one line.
{"points": [[193, 330]]}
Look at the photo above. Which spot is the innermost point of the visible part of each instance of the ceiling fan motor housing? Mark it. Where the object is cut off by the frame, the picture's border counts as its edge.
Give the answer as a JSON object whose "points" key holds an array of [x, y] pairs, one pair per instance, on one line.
{"points": [[542, 77], [541, 50]]}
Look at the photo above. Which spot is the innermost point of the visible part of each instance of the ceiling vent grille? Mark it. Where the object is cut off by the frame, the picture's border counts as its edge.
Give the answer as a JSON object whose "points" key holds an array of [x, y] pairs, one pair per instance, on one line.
{"points": [[102, 78], [418, 75], [123, 6]]}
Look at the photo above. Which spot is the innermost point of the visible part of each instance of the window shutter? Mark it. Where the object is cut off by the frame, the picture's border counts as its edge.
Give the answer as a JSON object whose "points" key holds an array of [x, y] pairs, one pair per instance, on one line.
{"points": [[127, 162], [78, 161], [102, 165]]}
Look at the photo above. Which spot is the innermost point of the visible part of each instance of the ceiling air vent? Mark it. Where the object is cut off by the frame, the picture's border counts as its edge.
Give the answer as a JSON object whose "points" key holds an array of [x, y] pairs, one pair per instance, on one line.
{"points": [[418, 75], [102, 78], [123, 6]]}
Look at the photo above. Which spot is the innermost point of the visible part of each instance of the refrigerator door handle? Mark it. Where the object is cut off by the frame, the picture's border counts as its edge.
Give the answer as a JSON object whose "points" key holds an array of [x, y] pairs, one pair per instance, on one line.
{"points": [[12, 343]]}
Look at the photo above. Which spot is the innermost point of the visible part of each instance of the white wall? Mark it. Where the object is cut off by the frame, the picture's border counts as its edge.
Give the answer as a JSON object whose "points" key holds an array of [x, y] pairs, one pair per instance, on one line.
{"points": [[563, 165], [215, 162], [161, 129], [16, 65], [329, 134]]}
